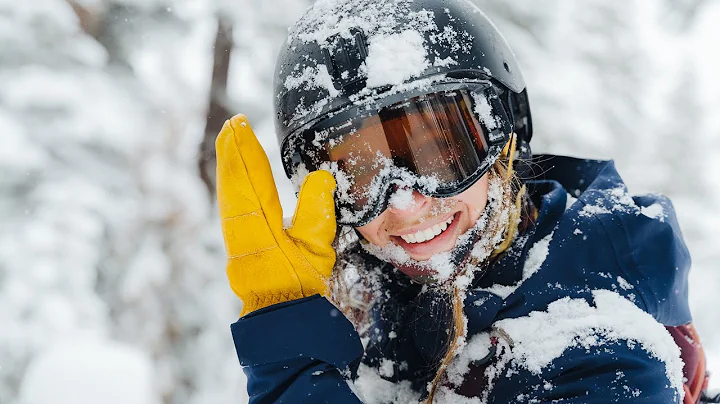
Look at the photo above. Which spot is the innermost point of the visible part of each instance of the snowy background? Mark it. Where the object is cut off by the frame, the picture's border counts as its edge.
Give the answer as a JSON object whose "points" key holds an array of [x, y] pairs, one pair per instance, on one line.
{"points": [[112, 281]]}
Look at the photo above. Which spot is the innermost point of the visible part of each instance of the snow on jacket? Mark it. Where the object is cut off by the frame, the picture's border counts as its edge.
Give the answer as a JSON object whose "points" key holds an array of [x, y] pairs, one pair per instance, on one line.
{"points": [[573, 313]]}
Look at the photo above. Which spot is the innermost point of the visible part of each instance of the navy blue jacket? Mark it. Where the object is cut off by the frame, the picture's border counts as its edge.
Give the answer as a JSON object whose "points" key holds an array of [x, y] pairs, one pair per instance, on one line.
{"points": [[606, 251]]}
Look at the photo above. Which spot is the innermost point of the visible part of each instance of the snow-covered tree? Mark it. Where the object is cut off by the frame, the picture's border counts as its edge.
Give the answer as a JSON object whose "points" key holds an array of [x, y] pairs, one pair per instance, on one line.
{"points": [[107, 229]]}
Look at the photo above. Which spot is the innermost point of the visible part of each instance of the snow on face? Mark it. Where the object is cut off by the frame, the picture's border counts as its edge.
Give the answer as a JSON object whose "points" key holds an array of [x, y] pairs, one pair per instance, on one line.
{"points": [[388, 174], [486, 234], [395, 58], [402, 198]]}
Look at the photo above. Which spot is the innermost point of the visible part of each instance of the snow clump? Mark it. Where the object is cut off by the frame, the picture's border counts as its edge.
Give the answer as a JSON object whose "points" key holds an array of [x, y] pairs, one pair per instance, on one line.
{"points": [[403, 198], [484, 111], [541, 337], [654, 211], [371, 388], [318, 77], [395, 58]]}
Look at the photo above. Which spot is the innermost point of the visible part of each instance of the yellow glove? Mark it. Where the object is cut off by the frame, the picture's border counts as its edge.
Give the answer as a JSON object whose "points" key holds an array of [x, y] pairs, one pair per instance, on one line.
{"points": [[268, 264]]}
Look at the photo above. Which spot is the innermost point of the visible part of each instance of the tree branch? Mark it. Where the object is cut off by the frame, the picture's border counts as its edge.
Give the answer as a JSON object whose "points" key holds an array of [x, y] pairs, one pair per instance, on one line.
{"points": [[217, 110]]}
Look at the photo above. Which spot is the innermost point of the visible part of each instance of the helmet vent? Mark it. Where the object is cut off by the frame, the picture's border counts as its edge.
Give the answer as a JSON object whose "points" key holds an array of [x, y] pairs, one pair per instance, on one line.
{"points": [[507, 67], [344, 57]]}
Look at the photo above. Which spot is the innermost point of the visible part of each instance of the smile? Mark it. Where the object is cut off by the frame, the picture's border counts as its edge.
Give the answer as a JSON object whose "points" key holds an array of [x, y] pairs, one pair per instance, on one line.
{"points": [[427, 234]]}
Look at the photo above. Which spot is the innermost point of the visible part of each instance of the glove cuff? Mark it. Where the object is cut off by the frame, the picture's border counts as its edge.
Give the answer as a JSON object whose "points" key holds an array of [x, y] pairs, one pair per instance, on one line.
{"points": [[256, 302]]}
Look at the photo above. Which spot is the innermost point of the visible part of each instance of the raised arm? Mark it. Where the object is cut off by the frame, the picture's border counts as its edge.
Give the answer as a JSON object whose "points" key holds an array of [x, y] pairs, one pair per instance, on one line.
{"points": [[293, 346]]}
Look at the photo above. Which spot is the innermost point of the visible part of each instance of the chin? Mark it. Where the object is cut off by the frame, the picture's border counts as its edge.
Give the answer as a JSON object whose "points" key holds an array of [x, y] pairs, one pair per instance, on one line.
{"points": [[418, 274]]}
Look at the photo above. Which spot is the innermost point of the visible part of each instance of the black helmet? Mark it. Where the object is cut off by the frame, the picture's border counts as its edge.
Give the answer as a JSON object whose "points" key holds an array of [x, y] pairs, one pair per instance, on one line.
{"points": [[326, 63]]}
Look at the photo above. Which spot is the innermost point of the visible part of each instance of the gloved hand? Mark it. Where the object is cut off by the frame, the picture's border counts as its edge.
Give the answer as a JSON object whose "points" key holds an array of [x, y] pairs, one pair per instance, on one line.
{"points": [[268, 264]]}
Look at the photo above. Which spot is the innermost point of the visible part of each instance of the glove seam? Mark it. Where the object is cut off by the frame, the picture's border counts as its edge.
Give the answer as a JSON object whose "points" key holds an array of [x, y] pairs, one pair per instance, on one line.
{"points": [[245, 214], [232, 257], [300, 197], [307, 246]]}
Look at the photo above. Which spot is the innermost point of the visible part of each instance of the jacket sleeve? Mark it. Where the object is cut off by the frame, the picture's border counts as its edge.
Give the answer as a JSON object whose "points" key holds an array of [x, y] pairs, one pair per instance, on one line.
{"points": [[296, 352]]}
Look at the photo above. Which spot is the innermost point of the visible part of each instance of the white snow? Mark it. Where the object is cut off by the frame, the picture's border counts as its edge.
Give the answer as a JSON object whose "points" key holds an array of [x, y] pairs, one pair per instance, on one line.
{"points": [[299, 176], [570, 201], [542, 337], [387, 368], [477, 348], [485, 112], [402, 198], [654, 211], [395, 58], [488, 226], [593, 210], [387, 175], [94, 158], [312, 78], [374, 18], [624, 284], [373, 389], [90, 371], [535, 258], [101, 201], [297, 81]]}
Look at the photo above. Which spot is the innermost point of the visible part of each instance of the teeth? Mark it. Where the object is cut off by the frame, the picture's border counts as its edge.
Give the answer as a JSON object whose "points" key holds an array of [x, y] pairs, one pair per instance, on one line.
{"points": [[427, 234]]}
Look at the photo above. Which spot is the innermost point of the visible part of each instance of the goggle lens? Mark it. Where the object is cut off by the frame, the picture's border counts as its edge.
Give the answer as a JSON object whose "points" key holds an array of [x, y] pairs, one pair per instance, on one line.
{"points": [[436, 139]]}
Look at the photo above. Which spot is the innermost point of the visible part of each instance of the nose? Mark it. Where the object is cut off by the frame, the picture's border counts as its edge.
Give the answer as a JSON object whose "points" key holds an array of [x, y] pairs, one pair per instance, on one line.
{"points": [[406, 202]]}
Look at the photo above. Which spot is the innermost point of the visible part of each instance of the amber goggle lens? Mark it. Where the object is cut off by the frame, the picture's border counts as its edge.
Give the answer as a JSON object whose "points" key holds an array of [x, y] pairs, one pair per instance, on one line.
{"points": [[434, 136]]}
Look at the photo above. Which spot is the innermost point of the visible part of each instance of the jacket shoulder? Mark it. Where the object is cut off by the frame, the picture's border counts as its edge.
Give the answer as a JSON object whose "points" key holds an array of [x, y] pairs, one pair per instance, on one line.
{"points": [[647, 243]]}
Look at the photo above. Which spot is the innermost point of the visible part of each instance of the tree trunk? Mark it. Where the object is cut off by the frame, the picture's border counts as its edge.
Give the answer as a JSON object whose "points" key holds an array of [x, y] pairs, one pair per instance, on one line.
{"points": [[217, 110]]}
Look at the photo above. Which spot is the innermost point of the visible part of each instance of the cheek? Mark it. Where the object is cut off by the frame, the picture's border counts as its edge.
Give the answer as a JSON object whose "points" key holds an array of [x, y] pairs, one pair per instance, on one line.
{"points": [[475, 198], [371, 231]]}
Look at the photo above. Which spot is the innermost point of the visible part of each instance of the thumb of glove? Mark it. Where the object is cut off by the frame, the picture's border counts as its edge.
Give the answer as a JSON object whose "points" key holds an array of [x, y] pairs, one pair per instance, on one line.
{"points": [[313, 226]]}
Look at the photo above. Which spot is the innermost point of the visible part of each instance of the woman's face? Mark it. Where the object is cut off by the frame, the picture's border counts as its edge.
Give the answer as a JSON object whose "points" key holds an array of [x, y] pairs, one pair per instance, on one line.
{"points": [[427, 226]]}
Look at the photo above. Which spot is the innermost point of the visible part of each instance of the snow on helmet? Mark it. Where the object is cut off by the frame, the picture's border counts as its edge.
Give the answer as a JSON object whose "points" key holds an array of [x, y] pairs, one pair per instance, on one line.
{"points": [[343, 53]]}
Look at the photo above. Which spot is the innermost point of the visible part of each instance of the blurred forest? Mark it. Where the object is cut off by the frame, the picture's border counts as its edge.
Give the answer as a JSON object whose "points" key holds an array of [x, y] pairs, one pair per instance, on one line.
{"points": [[111, 257]]}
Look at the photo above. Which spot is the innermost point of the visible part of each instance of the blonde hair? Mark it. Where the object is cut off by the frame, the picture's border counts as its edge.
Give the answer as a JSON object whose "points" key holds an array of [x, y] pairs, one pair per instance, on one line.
{"points": [[355, 294]]}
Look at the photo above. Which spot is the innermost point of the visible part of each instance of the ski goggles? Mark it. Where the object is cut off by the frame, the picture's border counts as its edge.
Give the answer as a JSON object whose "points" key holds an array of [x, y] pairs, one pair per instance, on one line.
{"points": [[437, 143]]}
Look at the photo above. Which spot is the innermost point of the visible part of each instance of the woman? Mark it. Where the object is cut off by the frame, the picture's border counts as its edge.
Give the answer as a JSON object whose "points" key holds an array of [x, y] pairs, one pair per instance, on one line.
{"points": [[464, 270]]}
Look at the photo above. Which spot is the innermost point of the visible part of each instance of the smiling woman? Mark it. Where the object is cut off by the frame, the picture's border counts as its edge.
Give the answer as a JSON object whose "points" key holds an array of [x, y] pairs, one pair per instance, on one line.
{"points": [[465, 269]]}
